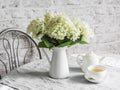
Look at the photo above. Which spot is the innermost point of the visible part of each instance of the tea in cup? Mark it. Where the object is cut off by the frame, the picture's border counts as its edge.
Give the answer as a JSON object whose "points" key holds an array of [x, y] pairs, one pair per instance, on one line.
{"points": [[96, 73]]}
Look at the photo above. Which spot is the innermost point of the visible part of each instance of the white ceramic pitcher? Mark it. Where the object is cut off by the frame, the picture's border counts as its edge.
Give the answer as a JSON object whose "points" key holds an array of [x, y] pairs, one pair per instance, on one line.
{"points": [[59, 63], [89, 59]]}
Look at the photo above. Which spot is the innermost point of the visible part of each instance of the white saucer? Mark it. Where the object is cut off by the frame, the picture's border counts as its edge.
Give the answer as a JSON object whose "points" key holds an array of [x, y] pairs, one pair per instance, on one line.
{"points": [[92, 79]]}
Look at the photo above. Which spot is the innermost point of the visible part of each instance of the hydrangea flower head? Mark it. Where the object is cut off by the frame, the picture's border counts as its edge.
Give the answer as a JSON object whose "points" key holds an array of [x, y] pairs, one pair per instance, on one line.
{"points": [[60, 27]]}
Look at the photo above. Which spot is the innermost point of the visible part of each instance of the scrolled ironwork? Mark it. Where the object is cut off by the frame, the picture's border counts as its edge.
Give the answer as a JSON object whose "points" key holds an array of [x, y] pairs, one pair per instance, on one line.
{"points": [[11, 48]]}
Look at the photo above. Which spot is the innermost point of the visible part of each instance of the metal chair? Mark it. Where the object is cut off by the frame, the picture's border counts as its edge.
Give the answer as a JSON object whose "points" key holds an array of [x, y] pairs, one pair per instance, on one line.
{"points": [[16, 49]]}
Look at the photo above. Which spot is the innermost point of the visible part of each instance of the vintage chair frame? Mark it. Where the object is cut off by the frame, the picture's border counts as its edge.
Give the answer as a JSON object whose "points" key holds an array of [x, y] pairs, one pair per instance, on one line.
{"points": [[13, 57]]}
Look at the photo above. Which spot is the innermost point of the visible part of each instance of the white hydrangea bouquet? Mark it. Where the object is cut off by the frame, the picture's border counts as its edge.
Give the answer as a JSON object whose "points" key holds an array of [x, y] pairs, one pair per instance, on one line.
{"points": [[58, 30]]}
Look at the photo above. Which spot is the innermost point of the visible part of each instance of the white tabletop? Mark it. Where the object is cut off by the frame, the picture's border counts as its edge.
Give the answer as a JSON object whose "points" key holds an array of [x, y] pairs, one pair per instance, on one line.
{"points": [[34, 76]]}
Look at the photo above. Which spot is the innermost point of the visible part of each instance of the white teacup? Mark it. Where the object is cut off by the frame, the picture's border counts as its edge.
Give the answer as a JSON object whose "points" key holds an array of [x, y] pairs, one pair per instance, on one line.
{"points": [[96, 73]]}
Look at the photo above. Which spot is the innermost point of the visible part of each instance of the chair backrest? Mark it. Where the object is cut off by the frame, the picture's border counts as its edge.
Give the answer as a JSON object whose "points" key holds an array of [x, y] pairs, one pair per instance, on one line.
{"points": [[16, 48]]}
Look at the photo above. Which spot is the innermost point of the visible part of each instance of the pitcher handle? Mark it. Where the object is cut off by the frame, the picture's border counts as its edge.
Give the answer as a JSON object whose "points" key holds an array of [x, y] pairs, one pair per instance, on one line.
{"points": [[80, 60], [48, 58]]}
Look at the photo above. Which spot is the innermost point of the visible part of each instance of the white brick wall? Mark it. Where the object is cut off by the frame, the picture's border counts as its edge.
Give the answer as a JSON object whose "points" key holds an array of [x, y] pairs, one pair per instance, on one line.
{"points": [[102, 15]]}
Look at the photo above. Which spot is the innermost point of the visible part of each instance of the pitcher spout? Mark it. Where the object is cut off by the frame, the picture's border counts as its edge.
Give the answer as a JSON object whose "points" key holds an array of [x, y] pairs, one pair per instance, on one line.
{"points": [[46, 55]]}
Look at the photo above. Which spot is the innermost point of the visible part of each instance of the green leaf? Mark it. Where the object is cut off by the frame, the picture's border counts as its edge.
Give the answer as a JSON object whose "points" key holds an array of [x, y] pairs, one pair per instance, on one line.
{"points": [[38, 33], [80, 41], [90, 78], [63, 41], [41, 45], [65, 44], [83, 42], [47, 42]]}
